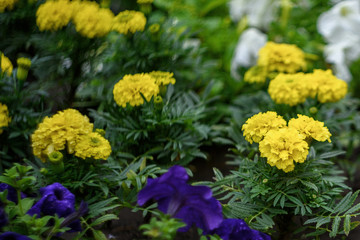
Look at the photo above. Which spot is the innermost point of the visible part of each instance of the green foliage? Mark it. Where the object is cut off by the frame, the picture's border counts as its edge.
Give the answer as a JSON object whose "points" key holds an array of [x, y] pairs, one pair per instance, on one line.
{"points": [[169, 132], [26, 107], [162, 227]]}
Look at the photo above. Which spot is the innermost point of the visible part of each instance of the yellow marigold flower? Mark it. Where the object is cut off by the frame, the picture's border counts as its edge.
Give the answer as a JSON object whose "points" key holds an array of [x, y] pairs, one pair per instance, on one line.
{"points": [[163, 78], [92, 21], [6, 65], [53, 15], [282, 147], [310, 128], [281, 57], [289, 89], [128, 89], [144, 1], [63, 129], [129, 22], [93, 145], [256, 74], [256, 127], [329, 87], [4, 116], [7, 4]]}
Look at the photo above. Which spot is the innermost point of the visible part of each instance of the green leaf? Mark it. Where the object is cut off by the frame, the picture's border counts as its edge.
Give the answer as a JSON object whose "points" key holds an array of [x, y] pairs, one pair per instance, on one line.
{"points": [[104, 218], [347, 222], [98, 235], [310, 185], [335, 226], [296, 201], [322, 221], [353, 209], [331, 154], [26, 204]]}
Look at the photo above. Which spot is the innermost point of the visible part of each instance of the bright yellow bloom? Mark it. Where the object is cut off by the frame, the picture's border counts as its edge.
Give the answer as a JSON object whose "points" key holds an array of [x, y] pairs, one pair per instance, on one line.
{"points": [[289, 89], [256, 74], [7, 4], [129, 22], [256, 127], [329, 87], [63, 129], [283, 147], [128, 89], [92, 21], [163, 78], [53, 15], [284, 58], [6, 65], [4, 116], [310, 128], [93, 145]]}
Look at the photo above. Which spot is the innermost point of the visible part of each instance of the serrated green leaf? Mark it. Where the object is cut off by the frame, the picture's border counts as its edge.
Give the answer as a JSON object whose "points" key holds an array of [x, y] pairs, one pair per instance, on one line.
{"points": [[98, 235], [353, 209], [347, 222], [104, 218], [335, 226], [331, 154], [295, 200], [322, 221], [310, 185]]}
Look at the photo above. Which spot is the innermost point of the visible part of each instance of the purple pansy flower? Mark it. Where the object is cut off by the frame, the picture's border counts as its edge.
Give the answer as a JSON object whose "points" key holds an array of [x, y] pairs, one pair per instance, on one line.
{"points": [[12, 193], [237, 229], [56, 199], [192, 204], [13, 236]]}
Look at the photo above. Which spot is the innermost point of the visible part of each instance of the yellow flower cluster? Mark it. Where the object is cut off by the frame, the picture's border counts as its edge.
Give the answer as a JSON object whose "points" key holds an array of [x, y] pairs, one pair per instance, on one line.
{"points": [[163, 78], [283, 145], [63, 130], [281, 57], [310, 128], [288, 89], [93, 145], [260, 124], [4, 117], [129, 22], [6, 65], [130, 88], [92, 21], [53, 15], [7, 4], [293, 89], [276, 58]]}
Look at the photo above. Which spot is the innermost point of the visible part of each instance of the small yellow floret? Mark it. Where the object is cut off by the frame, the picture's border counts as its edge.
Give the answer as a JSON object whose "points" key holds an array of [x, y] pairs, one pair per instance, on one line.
{"points": [[283, 147], [92, 21], [53, 15], [128, 89], [129, 22], [163, 78], [4, 117], [94, 146], [6, 65], [310, 128], [289, 89], [281, 57], [7, 4], [256, 127]]}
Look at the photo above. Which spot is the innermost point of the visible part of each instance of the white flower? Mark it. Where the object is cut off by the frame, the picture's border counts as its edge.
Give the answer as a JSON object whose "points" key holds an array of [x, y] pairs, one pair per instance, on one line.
{"points": [[342, 19], [259, 13], [246, 52], [340, 26]]}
